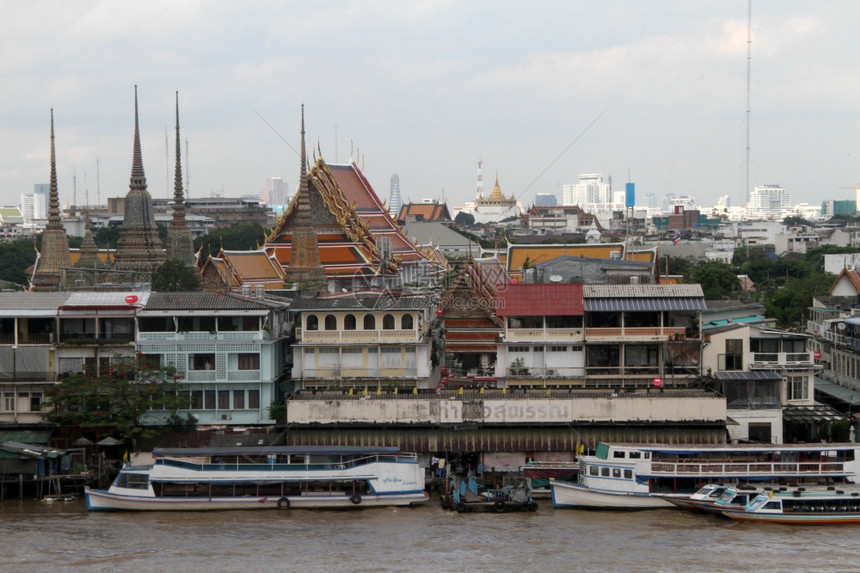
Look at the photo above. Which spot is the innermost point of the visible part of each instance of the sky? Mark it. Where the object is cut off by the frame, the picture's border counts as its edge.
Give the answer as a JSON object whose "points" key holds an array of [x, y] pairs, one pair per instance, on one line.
{"points": [[651, 92]]}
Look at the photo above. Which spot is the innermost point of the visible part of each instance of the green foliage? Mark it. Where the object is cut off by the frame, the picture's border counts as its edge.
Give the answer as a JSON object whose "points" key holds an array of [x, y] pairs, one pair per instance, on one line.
{"points": [[107, 237], [277, 410], [718, 280], [17, 257], [789, 301], [464, 219], [175, 276], [239, 237], [115, 399], [518, 368]]}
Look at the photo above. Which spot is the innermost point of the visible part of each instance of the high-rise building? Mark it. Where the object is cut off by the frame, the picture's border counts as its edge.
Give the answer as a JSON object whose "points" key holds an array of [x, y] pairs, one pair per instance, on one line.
{"points": [[546, 199], [276, 191], [769, 200], [34, 206], [591, 191], [394, 200]]}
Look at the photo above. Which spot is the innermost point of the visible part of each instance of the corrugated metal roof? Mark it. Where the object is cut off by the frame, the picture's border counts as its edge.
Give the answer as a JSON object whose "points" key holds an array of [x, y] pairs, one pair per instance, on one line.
{"points": [[809, 414], [362, 301], [31, 303], [539, 299], [106, 298], [190, 303], [643, 304], [841, 392], [642, 291], [752, 375]]}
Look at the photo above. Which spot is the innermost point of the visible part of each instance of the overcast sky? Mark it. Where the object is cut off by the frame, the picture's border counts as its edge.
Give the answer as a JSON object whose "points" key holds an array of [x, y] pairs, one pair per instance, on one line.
{"points": [[649, 91]]}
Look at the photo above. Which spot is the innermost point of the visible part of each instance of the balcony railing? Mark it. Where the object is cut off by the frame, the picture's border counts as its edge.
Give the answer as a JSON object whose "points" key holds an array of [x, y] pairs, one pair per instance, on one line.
{"points": [[199, 336], [836, 338], [24, 338], [35, 376], [337, 372], [358, 335], [545, 334], [782, 360], [637, 332], [741, 469]]}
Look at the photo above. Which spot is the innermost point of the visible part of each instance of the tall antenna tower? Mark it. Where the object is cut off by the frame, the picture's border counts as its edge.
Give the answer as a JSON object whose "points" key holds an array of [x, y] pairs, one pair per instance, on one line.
{"points": [[749, 64], [480, 190]]}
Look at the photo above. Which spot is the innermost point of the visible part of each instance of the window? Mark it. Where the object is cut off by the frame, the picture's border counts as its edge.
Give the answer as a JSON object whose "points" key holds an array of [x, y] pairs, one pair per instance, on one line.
{"points": [[593, 471], [798, 387], [733, 359], [388, 322], [616, 472], [253, 399], [196, 400], [604, 472], [223, 399], [9, 401], [35, 401], [406, 322], [201, 361], [628, 474], [249, 361], [209, 399], [330, 322], [349, 322], [635, 455], [369, 322], [618, 454], [519, 349], [238, 399], [313, 323], [558, 348]]}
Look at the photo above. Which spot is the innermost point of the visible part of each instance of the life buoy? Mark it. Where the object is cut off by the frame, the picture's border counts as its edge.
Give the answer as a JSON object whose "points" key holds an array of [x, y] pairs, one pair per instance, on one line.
{"points": [[356, 499], [284, 503], [499, 506]]}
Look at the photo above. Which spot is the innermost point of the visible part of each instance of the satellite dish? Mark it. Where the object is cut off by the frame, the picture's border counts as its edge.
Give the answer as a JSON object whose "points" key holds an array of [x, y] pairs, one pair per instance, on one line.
{"points": [[555, 278], [841, 326]]}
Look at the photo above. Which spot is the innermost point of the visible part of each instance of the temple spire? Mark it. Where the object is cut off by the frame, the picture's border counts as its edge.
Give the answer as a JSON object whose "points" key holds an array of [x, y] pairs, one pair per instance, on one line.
{"points": [[139, 247], [180, 246], [50, 266]]}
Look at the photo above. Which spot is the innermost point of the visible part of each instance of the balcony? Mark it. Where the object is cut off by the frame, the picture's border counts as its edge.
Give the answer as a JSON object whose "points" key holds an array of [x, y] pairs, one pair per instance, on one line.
{"points": [[782, 360], [199, 336], [25, 338], [35, 376], [636, 333], [841, 339], [90, 339], [544, 334], [357, 336]]}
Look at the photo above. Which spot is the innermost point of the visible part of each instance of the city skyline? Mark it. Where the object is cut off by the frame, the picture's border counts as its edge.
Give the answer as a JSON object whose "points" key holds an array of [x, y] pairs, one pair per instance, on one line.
{"points": [[650, 92]]}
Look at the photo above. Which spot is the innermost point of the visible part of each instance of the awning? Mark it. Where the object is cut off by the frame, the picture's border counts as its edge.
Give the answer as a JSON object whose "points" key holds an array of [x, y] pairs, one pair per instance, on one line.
{"points": [[841, 393], [810, 414], [751, 375], [644, 304]]}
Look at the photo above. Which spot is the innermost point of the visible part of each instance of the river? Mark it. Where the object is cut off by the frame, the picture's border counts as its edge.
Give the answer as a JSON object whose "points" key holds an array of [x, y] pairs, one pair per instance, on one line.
{"points": [[64, 536]]}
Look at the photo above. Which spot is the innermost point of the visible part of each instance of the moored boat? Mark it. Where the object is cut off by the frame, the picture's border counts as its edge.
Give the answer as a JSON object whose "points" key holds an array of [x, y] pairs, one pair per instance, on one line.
{"points": [[714, 498], [644, 476], [190, 479], [801, 507]]}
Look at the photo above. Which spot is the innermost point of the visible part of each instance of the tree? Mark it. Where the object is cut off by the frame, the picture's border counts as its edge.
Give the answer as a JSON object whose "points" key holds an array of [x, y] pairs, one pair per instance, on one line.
{"points": [[175, 276], [17, 257], [239, 237], [464, 219], [117, 399], [107, 237], [718, 280]]}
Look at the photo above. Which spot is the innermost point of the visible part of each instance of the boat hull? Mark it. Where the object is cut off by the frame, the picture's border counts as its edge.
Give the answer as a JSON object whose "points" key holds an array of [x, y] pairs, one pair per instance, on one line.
{"points": [[577, 496], [101, 500], [795, 518]]}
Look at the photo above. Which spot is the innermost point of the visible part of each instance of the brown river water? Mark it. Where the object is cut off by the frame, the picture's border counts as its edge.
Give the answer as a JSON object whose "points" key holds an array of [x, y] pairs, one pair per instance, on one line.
{"points": [[64, 536]]}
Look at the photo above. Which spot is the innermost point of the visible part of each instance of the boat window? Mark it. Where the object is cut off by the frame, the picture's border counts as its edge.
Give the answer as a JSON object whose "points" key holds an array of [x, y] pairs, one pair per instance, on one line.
{"points": [[618, 454], [593, 471], [628, 474], [646, 455], [772, 505], [138, 481], [616, 472], [604, 472], [634, 455]]}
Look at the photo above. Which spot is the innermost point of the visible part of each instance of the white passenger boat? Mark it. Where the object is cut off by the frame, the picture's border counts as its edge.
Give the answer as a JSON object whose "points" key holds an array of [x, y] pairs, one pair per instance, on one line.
{"points": [[637, 476], [265, 477], [802, 507]]}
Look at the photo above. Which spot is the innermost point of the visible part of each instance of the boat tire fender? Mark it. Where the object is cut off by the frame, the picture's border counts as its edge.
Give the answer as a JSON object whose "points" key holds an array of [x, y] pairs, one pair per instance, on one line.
{"points": [[461, 507], [533, 506], [284, 503], [356, 499], [499, 506]]}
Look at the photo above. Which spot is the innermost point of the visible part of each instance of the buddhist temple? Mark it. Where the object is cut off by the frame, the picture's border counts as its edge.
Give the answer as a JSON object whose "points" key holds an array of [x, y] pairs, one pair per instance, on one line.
{"points": [[232, 270], [353, 238], [139, 247], [180, 245], [54, 259], [87, 267]]}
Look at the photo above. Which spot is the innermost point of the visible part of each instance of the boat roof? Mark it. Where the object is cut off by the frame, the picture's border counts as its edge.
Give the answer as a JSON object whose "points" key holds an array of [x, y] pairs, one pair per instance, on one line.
{"points": [[259, 450], [704, 448]]}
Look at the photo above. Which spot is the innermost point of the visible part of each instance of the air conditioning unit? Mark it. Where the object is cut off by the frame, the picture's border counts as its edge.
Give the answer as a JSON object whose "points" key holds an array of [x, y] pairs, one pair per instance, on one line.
{"points": [[226, 417]]}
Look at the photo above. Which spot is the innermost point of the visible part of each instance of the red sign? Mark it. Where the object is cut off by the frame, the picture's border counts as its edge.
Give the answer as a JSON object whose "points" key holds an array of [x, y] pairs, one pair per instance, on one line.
{"points": [[131, 299], [816, 355], [658, 382]]}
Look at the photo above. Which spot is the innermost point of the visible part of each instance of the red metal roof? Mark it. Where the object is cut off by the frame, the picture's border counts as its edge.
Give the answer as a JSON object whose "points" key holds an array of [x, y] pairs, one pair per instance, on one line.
{"points": [[540, 299]]}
